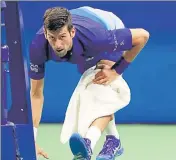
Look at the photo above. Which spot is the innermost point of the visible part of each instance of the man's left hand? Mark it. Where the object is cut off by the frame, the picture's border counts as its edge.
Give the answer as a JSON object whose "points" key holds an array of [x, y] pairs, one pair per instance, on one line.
{"points": [[105, 76]]}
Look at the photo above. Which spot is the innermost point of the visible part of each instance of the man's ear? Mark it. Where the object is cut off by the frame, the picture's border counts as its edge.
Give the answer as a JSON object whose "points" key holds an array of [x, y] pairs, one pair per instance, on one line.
{"points": [[44, 31], [73, 32]]}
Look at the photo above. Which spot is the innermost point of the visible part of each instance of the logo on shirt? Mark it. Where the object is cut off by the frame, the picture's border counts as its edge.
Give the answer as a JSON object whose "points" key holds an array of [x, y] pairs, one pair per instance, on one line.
{"points": [[122, 43], [116, 43], [34, 67]]}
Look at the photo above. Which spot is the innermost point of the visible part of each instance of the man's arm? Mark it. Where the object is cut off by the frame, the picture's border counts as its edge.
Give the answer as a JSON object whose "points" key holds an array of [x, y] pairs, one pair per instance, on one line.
{"points": [[37, 99], [37, 52], [139, 39], [122, 39], [36, 74], [131, 41]]}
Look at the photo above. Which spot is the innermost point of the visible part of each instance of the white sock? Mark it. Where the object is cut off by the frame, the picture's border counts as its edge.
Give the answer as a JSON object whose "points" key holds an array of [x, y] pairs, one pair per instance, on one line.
{"points": [[93, 134], [112, 129]]}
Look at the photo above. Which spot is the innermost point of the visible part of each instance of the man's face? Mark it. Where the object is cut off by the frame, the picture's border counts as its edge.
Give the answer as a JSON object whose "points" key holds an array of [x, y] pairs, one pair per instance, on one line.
{"points": [[61, 41]]}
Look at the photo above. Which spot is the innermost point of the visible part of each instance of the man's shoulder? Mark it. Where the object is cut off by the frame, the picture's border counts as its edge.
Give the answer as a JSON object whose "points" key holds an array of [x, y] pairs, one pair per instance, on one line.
{"points": [[38, 48], [39, 38], [88, 29]]}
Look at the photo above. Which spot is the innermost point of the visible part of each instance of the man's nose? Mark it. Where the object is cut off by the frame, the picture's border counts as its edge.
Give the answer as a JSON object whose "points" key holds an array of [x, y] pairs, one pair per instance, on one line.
{"points": [[58, 44]]}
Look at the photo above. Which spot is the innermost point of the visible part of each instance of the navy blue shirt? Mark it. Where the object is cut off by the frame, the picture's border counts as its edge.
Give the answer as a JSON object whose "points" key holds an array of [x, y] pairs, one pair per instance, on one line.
{"points": [[91, 43]]}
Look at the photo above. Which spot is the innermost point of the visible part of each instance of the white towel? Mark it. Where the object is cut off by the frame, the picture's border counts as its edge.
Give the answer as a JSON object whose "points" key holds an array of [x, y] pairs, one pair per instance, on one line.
{"points": [[91, 101]]}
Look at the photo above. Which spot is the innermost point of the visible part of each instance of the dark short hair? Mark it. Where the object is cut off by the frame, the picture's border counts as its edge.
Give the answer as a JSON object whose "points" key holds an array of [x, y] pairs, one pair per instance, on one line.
{"points": [[57, 17]]}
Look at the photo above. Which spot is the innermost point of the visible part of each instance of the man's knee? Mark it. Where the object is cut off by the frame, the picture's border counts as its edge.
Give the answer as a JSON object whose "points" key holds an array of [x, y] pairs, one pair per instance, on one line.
{"points": [[111, 117]]}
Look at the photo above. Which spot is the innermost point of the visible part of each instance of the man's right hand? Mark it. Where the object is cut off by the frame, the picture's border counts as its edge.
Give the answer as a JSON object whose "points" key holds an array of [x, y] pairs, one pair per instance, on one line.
{"points": [[40, 152]]}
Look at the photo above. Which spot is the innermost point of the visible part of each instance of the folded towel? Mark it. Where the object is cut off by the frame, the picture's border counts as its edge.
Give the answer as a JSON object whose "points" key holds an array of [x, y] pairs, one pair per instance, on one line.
{"points": [[91, 101]]}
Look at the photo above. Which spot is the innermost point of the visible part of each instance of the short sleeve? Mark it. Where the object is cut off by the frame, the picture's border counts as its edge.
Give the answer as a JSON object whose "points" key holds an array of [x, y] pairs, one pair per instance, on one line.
{"points": [[119, 40], [36, 72], [38, 58], [114, 40]]}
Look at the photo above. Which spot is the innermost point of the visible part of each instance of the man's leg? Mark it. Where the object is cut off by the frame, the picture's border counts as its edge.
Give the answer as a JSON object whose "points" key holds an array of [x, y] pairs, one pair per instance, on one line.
{"points": [[96, 129], [111, 129]]}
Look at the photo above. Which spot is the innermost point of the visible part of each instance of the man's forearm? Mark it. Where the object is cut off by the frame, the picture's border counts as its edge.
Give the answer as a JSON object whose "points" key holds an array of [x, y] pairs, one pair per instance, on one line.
{"points": [[37, 106]]}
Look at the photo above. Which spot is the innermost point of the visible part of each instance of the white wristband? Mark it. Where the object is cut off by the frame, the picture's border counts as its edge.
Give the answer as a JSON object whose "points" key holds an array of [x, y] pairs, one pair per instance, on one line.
{"points": [[35, 133]]}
